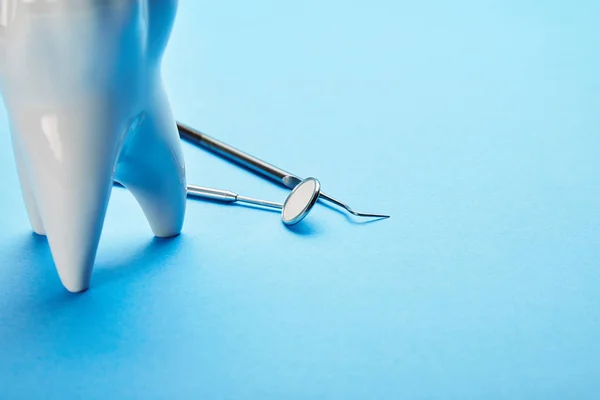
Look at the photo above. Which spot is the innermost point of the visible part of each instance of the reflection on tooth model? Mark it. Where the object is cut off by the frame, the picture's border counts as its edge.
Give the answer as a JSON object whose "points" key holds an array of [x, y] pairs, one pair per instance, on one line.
{"points": [[86, 104]]}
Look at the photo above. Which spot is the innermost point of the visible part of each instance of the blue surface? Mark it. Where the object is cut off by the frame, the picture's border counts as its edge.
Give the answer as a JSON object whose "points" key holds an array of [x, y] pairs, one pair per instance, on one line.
{"points": [[475, 124]]}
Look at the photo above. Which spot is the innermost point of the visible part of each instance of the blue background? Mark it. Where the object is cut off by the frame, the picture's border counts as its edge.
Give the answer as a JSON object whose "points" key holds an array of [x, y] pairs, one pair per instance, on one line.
{"points": [[474, 123]]}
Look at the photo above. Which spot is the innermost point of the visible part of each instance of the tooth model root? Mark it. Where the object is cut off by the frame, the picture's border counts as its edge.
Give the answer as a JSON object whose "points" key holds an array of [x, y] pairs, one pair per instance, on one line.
{"points": [[151, 167], [86, 104], [70, 156], [26, 188]]}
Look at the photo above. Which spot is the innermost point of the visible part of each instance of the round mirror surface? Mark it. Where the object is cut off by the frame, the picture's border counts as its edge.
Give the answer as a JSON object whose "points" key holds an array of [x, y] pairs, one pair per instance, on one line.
{"points": [[300, 201]]}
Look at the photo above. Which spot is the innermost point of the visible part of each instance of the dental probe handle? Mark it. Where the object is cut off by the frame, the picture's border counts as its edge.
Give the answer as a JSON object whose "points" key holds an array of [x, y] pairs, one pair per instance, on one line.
{"points": [[239, 157]]}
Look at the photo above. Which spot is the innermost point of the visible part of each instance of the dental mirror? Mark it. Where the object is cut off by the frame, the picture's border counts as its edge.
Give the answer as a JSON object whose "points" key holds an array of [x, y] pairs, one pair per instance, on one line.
{"points": [[295, 208], [300, 201]]}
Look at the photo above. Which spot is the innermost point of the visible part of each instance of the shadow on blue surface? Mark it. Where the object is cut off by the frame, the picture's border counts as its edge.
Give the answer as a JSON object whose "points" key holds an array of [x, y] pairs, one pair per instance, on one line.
{"points": [[38, 274], [45, 315], [148, 257], [305, 228]]}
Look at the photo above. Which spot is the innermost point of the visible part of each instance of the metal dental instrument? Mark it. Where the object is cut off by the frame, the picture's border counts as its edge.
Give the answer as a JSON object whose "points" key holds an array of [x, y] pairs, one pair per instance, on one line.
{"points": [[295, 208], [256, 165]]}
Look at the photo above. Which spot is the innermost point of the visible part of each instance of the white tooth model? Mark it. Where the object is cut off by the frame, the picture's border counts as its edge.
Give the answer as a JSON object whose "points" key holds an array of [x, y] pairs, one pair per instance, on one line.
{"points": [[81, 81]]}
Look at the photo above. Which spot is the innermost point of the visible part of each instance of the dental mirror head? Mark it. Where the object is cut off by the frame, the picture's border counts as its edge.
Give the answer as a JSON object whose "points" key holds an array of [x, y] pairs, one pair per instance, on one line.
{"points": [[299, 203]]}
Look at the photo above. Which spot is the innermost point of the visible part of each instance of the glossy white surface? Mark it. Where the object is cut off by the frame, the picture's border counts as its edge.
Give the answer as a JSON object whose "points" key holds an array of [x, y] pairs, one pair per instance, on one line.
{"points": [[82, 85]]}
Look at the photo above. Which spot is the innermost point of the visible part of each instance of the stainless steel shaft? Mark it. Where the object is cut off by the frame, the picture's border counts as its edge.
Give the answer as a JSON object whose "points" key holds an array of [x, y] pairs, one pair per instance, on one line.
{"points": [[227, 197]]}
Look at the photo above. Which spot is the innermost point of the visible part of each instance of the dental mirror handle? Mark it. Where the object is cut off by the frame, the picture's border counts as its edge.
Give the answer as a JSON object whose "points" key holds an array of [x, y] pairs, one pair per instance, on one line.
{"points": [[226, 196]]}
